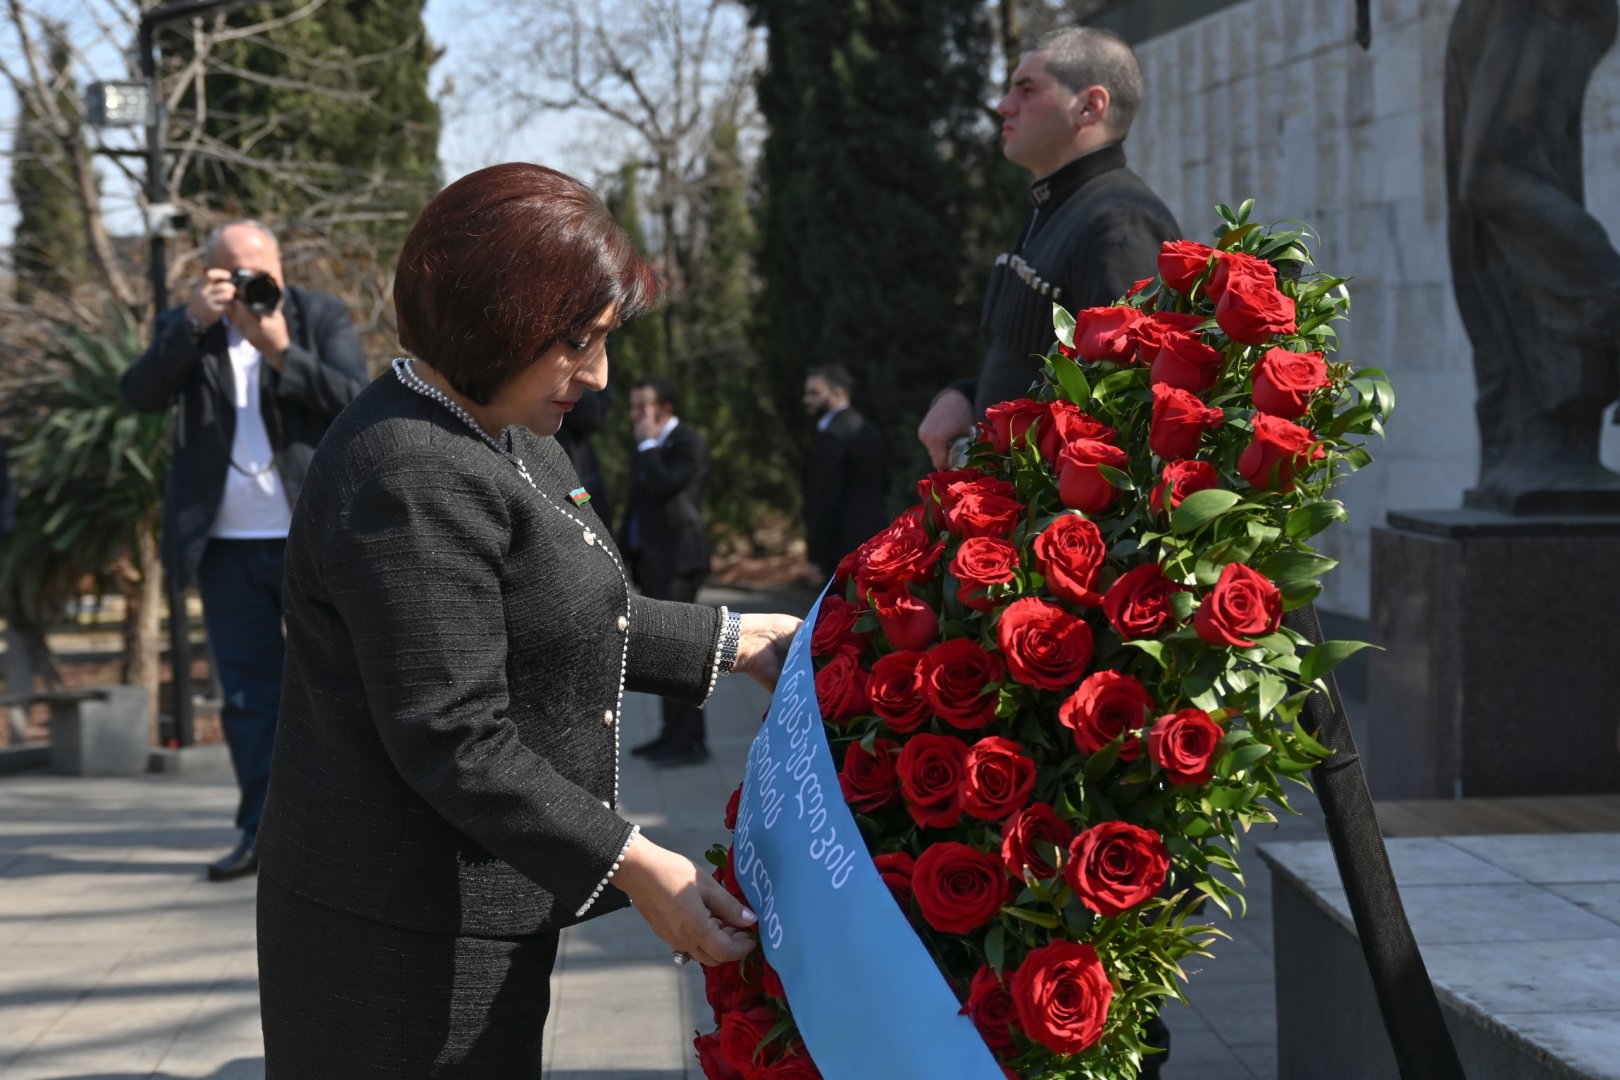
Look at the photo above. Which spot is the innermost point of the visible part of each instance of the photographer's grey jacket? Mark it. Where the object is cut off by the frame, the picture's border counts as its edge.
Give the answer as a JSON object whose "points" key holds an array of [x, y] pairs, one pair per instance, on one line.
{"points": [[457, 644], [324, 370]]}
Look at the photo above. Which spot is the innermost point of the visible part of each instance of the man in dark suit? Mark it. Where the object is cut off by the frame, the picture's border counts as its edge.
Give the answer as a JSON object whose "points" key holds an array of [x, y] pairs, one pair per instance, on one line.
{"points": [[664, 538], [259, 369], [845, 479]]}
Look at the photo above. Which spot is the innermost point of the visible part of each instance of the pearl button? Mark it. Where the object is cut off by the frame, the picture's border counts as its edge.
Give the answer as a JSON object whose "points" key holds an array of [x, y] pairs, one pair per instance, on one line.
{"points": [[590, 537], [607, 718], [624, 624], [607, 804]]}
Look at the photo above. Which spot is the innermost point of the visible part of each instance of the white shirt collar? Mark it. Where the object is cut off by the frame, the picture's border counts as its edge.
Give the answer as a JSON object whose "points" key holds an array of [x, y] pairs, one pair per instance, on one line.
{"points": [[825, 420]]}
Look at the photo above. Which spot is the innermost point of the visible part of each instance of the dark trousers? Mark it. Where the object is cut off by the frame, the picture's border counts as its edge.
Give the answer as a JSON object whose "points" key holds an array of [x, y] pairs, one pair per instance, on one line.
{"points": [[240, 582], [683, 723]]}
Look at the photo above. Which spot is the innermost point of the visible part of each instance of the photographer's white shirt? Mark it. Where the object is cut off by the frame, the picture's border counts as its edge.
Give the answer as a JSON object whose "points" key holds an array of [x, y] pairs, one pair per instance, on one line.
{"points": [[255, 504]]}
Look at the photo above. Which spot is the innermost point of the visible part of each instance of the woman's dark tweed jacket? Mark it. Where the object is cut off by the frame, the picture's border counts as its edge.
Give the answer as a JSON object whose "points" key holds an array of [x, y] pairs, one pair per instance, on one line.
{"points": [[457, 645]]}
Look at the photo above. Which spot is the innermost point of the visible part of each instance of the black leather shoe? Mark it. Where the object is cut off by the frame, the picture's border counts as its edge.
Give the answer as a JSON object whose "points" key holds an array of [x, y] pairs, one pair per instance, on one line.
{"points": [[651, 747], [241, 862], [675, 756]]}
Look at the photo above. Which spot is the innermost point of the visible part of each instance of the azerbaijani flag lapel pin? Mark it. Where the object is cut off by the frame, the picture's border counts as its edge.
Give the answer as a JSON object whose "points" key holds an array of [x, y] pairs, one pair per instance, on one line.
{"points": [[580, 496]]}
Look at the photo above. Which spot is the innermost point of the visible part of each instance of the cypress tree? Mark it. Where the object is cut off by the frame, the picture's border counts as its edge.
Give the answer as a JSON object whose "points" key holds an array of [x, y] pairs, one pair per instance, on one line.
{"points": [[874, 221], [49, 255]]}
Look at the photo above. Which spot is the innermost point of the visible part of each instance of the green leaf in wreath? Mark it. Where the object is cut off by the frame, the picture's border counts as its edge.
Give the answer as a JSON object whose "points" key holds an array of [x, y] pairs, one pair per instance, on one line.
{"points": [[1098, 764], [1200, 508], [1272, 690], [1071, 380], [1063, 324], [1039, 918], [1247, 755], [1306, 521], [1327, 656], [995, 947], [1288, 566], [1182, 605], [1116, 477], [1154, 649]]}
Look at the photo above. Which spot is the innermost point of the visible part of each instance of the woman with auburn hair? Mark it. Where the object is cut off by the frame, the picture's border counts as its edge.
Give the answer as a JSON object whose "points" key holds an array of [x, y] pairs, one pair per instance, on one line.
{"points": [[460, 635]]}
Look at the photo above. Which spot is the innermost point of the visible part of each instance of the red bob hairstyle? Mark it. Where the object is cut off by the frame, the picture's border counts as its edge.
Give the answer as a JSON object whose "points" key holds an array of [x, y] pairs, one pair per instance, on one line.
{"points": [[505, 262]]}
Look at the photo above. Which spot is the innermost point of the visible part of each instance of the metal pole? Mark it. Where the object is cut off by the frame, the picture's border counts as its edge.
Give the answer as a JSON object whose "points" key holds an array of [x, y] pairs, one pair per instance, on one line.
{"points": [[158, 270]]}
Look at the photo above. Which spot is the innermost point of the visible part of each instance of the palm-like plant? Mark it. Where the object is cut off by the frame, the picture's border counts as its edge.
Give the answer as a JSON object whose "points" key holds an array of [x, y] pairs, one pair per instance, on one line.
{"points": [[90, 477]]}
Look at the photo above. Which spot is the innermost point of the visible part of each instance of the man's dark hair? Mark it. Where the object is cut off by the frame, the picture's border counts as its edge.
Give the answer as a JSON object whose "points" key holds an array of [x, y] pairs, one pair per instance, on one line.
{"points": [[836, 378], [1082, 56], [505, 262], [664, 391]]}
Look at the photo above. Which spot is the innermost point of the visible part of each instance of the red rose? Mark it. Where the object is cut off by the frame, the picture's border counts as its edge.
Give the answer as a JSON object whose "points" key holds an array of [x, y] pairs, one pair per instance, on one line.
{"points": [[899, 554], [1115, 866], [1277, 450], [998, 777], [958, 681], [1184, 361], [977, 512], [869, 780], [728, 879], [1069, 422], [895, 693], [1080, 485], [1103, 333], [1181, 262], [1252, 311], [1138, 602], [1184, 745], [895, 869], [1068, 553], [1034, 823], [1138, 285], [728, 989], [932, 490], [982, 561], [1179, 420], [1229, 264], [794, 1064], [1284, 381], [1181, 479], [841, 689], [845, 571], [907, 621], [741, 1033], [990, 1006], [957, 888], [731, 808], [1242, 606], [1045, 646], [711, 1060], [930, 769], [1009, 422], [1104, 707], [835, 628], [1151, 333], [1062, 994]]}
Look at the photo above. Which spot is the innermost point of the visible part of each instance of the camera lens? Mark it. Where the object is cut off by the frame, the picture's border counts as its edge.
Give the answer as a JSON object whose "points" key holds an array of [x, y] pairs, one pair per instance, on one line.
{"points": [[259, 293]]}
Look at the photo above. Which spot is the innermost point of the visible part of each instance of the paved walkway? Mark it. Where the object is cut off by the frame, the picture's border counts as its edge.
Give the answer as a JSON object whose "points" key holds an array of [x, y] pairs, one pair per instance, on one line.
{"points": [[117, 961]]}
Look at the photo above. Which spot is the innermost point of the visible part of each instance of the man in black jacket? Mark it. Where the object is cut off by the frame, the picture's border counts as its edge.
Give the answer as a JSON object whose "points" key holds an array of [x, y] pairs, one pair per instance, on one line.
{"points": [[845, 479], [1095, 227], [664, 538], [258, 369]]}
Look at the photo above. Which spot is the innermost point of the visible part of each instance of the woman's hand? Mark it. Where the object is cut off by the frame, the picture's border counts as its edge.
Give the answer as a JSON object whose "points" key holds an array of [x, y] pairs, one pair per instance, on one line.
{"points": [[763, 647], [688, 909]]}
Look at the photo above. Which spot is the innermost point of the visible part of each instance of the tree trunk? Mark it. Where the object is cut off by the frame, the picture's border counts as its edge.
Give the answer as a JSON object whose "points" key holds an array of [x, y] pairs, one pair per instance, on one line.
{"points": [[143, 640]]}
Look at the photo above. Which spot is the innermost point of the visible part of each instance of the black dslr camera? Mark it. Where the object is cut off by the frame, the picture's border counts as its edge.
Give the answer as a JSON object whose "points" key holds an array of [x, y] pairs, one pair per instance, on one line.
{"points": [[259, 293]]}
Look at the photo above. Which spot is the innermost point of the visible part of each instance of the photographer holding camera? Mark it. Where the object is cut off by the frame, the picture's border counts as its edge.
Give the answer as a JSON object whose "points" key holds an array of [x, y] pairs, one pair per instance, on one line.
{"points": [[259, 369]]}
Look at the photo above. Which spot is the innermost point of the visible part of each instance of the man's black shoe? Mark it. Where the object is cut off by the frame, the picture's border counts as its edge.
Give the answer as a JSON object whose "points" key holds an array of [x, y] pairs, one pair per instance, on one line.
{"points": [[241, 862], [651, 747], [691, 754]]}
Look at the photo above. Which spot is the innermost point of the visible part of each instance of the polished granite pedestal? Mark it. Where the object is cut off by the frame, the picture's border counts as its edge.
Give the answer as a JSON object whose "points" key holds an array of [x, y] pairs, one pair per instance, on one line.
{"points": [[1521, 936], [1500, 674]]}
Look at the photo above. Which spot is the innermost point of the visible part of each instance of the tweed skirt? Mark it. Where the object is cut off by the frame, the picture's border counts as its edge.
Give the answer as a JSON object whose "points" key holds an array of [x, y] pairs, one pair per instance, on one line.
{"points": [[345, 998]]}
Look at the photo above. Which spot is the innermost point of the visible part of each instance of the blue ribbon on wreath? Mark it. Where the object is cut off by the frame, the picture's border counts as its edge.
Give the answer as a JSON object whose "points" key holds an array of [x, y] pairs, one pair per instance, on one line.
{"points": [[866, 995]]}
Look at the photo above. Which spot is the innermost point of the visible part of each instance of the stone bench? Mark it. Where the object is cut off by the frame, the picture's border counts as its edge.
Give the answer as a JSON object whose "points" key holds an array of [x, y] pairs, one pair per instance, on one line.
{"points": [[1521, 935], [96, 731]]}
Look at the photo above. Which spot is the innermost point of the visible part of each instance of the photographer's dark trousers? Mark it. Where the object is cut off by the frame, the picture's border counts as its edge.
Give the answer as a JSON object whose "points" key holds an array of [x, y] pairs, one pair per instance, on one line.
{"points": [[683, 724], [240, 582]]}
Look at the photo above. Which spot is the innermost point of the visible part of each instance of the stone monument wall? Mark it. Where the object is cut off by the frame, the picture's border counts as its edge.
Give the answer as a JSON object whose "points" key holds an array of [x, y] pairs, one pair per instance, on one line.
{"points": [[1273, 99]]}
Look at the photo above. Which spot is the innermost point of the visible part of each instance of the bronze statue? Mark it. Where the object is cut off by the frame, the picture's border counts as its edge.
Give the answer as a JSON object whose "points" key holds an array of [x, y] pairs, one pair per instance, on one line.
{"points": [[1537, 280]]}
